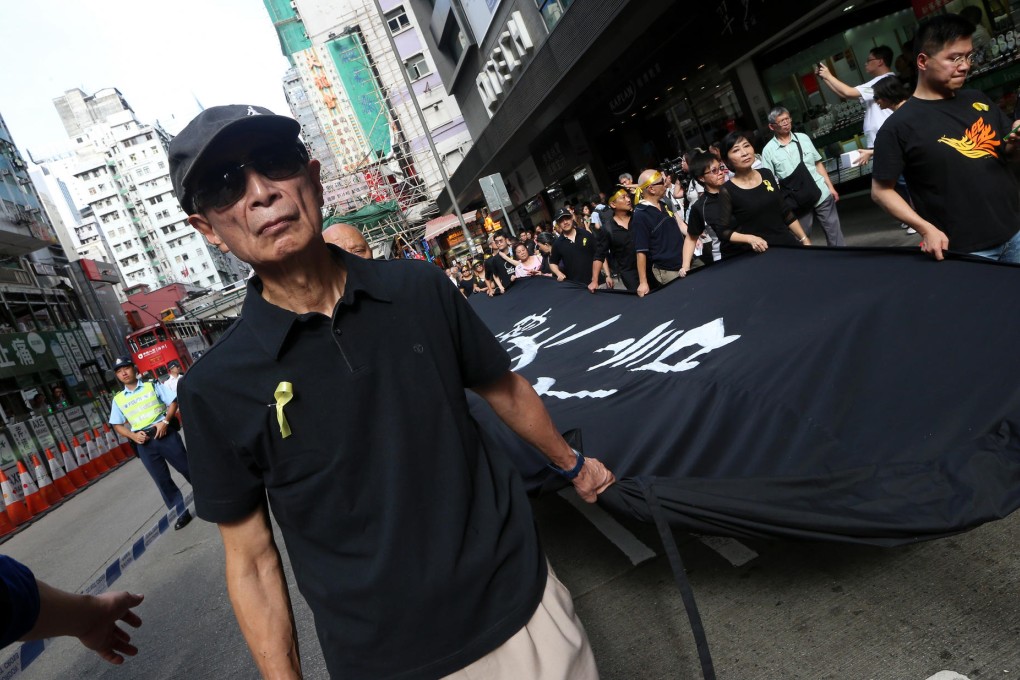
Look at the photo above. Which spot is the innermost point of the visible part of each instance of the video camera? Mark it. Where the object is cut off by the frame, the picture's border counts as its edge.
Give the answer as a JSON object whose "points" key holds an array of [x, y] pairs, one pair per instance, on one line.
{"points": [[675, 169]]}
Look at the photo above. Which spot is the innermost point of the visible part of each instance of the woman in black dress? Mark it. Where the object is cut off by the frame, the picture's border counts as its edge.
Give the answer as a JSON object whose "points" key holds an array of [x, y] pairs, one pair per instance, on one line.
{"points": [[757, 217]]}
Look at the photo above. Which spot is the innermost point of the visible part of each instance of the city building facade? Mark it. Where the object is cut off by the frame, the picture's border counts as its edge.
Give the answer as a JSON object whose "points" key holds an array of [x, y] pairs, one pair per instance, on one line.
{"points": [[123, 171], [54, 356], [355, 87]]}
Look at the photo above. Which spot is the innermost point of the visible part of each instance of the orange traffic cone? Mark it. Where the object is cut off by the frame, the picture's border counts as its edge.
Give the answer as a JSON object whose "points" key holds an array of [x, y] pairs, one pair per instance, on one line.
{"points": [[6, 525], [35, 501], [115, 446], [42, 478], [60, 480], [17, 511], [95, 456], [74, 473], [126, 445], [104, 446], [87, 467]]}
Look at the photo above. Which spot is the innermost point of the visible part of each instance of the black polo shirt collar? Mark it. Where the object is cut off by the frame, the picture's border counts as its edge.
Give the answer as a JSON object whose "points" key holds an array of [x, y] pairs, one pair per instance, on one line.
{"points": [[272, 324]]}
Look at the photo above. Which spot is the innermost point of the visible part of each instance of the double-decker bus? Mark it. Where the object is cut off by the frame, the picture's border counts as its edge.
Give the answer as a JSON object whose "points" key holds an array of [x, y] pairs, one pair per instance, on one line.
{"points": [[155, 347]]}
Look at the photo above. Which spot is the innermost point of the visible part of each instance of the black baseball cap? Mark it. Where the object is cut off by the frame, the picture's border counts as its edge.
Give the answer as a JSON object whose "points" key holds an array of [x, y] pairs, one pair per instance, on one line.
{"points": [[188, 148], [563, 213], [121, 362]]}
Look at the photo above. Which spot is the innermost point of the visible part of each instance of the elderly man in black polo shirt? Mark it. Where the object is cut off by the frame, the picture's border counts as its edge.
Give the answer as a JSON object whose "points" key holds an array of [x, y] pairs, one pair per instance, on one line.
{"points": [[417, 555]]}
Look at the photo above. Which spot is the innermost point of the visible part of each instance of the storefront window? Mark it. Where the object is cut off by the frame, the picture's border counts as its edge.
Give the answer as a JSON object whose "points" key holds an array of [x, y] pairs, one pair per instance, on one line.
{"points": [[815, 108]]}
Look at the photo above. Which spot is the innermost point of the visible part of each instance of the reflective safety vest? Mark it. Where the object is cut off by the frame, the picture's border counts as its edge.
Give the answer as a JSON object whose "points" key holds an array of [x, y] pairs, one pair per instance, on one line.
{"points": [[141, 408]]}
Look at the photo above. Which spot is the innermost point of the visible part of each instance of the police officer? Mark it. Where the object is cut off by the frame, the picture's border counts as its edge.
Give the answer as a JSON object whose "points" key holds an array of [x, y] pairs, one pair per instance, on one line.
{"points": [[142, 412]]}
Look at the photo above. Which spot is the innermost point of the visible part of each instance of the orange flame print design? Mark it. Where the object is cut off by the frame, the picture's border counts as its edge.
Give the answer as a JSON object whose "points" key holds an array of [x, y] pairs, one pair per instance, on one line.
{"points": [[977, 142]]}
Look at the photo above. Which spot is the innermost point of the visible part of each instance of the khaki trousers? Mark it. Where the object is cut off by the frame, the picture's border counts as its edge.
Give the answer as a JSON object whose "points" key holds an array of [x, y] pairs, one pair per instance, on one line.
{"points": [[552, 646], [664, 276]]}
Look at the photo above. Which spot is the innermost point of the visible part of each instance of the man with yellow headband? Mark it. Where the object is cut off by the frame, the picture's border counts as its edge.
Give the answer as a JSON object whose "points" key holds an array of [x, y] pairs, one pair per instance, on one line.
{"points": [[658, 234]]}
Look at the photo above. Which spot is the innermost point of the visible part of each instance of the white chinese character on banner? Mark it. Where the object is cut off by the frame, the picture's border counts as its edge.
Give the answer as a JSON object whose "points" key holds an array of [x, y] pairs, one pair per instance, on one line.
{"points": [[20, 348], [649, 352], [4, 361]]}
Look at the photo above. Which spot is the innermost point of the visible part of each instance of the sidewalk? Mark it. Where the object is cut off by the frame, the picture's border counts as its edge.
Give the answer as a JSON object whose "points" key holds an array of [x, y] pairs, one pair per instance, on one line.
{"points": [[867, 225]]}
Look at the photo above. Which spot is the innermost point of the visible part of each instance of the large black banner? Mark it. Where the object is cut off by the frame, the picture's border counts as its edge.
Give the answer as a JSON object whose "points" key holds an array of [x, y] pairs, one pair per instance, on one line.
{"points": [[856, 395]]}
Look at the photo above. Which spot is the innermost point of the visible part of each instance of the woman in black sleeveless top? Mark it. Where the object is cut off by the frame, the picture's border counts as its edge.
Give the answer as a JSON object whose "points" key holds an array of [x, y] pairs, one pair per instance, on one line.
{"points": [[758, 217]]}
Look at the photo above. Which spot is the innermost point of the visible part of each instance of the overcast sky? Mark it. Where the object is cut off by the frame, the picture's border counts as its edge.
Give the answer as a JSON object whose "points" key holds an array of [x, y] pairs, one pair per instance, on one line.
{"points": [[162, 56]]}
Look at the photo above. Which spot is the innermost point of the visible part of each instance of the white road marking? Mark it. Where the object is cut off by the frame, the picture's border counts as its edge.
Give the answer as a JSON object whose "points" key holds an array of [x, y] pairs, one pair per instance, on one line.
{"points": [[629, 544], [732, 550]]}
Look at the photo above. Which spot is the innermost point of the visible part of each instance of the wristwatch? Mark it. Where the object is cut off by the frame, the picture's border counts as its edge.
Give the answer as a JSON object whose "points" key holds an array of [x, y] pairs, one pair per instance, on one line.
{"points": [[572, 472]]}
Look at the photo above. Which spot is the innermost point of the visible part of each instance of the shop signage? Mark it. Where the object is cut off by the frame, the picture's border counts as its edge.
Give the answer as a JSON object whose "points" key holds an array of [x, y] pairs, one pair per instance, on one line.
{"points": [[76, 419], [6, 450], [512, 52], [923, 8], [90, 328], [92, 414], [621, 102], [453, 237], [95, 270], [71, 342], [68, 367], [60, 428], [42, 432], [65, 426], [22, 353], [344, 190], [23, 444]]}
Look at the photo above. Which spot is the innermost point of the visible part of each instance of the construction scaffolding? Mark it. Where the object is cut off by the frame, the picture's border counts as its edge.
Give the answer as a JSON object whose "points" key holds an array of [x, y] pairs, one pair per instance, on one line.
{"points": [[389, 177]]}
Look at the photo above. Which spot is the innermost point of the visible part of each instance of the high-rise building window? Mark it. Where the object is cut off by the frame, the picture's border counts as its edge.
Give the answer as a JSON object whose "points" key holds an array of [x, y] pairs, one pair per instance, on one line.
{"points": [[417, 67], [552, 10], [397, 20]]}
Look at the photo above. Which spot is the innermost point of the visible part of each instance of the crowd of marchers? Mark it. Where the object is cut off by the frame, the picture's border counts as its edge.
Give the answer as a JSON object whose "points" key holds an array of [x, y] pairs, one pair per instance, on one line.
{"points": [[939, 155]]}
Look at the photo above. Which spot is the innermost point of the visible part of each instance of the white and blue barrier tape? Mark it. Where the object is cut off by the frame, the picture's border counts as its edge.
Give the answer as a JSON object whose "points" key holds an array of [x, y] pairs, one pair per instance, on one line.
{"points": [[18, 661]]}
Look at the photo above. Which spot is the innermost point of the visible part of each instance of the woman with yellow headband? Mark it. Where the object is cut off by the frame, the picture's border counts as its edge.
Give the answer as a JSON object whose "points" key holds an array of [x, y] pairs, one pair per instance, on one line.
{"points": [[758, 219], [618, 241]]}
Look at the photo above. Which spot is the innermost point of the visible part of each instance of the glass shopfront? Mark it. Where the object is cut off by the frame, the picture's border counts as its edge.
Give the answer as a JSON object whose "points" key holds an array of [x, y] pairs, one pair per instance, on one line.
{"points": [[835, 124], [50, 392]]}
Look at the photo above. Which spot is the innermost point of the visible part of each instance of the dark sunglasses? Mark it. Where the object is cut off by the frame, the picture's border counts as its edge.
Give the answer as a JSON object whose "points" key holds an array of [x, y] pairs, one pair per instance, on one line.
{"points": [[225, 185]]}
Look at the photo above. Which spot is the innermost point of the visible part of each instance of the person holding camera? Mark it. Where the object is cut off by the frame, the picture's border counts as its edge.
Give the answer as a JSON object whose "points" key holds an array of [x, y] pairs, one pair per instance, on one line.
{"points": [[144, 413]]}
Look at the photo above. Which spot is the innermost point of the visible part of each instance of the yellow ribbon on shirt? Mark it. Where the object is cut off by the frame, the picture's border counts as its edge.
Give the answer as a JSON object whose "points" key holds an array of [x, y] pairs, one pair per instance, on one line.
{"points": [[283, 394]]}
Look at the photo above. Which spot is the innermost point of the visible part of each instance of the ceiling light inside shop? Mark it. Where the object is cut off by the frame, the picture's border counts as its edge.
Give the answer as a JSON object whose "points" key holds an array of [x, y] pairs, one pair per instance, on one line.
{"points": [[701, 67], [848, 8]]}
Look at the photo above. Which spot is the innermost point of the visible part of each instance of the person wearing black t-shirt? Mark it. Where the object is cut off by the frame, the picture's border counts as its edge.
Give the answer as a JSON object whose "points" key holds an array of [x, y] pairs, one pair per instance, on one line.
{"points": [[574, 253], [758, 218], [468, 283], [709, 213], [618, 241], [951, 146], [499, 268]]}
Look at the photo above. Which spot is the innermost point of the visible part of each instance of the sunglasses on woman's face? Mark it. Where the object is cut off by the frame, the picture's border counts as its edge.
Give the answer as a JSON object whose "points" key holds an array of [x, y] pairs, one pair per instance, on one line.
{"points": [[223, 186]]}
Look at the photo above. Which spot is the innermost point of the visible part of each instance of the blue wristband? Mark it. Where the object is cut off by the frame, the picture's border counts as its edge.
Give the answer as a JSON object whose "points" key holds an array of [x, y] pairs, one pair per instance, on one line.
{"points": [[572, 472]]}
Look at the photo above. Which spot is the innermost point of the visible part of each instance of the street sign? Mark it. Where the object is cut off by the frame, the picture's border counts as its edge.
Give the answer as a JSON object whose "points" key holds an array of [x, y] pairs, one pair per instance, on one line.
{"points": [[496, 196]]}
